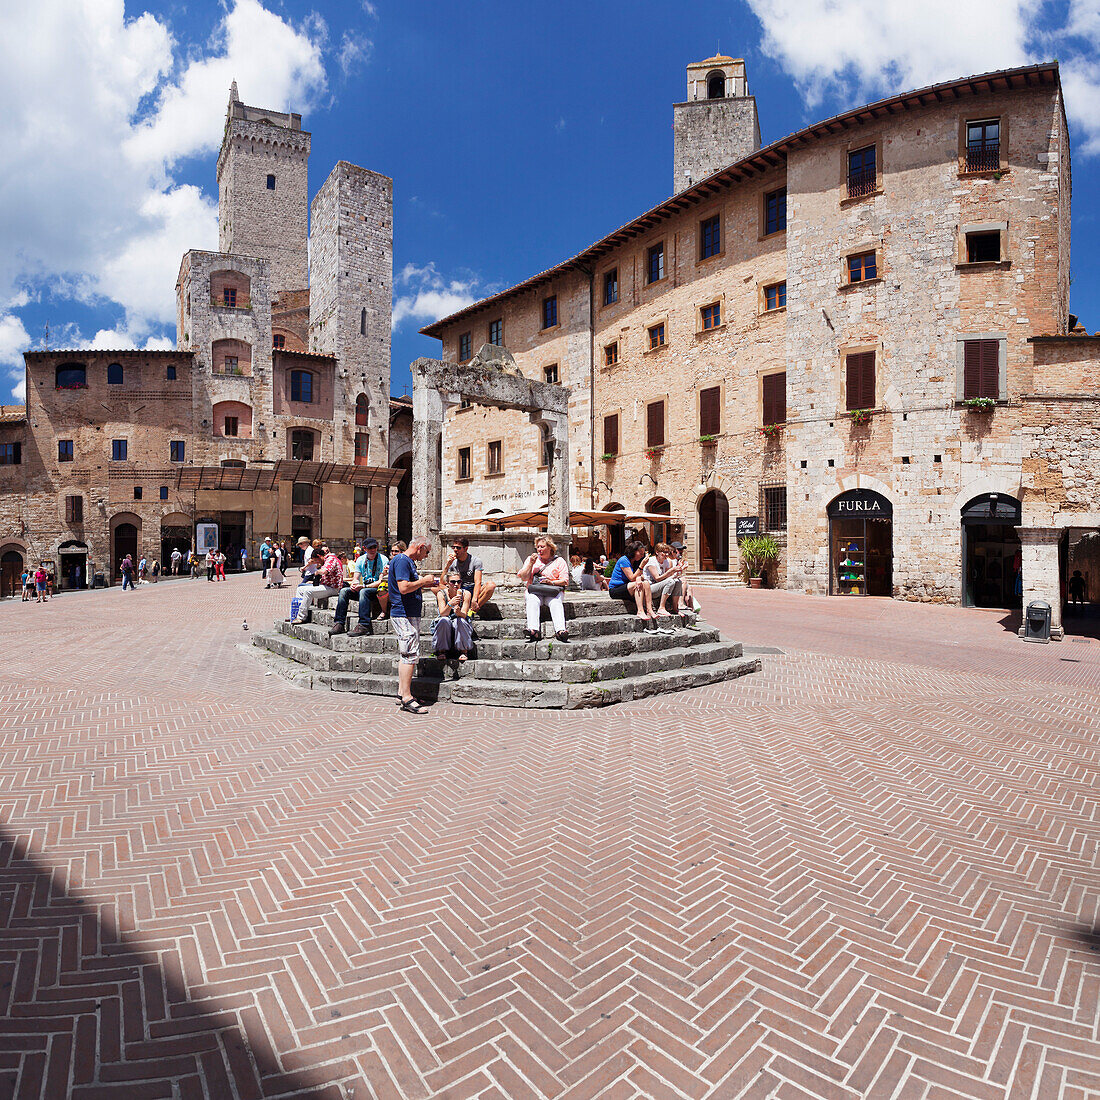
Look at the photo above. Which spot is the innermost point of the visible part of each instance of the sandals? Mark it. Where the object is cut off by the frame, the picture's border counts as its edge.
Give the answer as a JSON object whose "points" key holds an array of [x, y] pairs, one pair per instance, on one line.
{"points": [[412, 706]]}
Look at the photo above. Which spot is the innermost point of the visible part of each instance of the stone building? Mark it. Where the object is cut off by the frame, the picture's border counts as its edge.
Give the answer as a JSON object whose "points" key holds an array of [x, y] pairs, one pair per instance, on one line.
{"points": [[266, 417], [837, 338]]}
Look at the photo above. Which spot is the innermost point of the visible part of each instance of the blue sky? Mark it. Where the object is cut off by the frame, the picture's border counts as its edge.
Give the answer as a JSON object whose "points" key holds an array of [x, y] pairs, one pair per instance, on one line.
{"points": [[515, 134]]}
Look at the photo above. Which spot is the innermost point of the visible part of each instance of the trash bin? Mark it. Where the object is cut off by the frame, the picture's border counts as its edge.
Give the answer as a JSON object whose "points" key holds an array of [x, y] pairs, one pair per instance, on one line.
{"points": [[1037, 622], [100, 580]]}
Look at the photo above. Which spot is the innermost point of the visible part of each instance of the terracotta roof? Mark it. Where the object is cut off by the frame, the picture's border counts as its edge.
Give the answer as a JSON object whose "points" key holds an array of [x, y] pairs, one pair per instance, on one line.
{"points": [[771, 157], [13, 414], [303, 354], [76, 353], [1062, 338]]}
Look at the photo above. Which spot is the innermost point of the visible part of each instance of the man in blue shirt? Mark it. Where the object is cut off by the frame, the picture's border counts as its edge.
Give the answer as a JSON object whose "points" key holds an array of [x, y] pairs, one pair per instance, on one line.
{"points": [[406, 603], [370, 572]]}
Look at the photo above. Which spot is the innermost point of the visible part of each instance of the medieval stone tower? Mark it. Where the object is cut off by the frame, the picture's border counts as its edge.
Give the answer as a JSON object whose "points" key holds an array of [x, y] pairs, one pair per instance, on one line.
{"points": [[351, 288], [717, 125], [262, 190]]}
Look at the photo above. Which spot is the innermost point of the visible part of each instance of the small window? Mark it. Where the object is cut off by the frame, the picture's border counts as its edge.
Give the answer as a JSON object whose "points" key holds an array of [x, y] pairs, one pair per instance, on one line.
{"points": [[611, 287], [981, 369], [774, 398], [611, 434], [231, 365], [550, 373], [496, 333], [301, 445], [710, 410], [362, 448], [231, 426], [465, 464], [863, 267], [773, 507], [775, 296], [278, 341], [711, 316], [655, 263], [860, 380], [655, 424], [547, 445], [465, 403], [611, 354], [301, 495], [710, 237], [137, 492], [164, 492], [170, 373], [176, 450], [114, 374], [271, 183], [301, 386], [494, 454], [775, 211], [74, 509], [118, 450], [983, 248], [229, 296], [862, 177], [983, 145], [71, 376], [64, 450], [363, 322], [464, 347], [656, 336], [11, 454], [550, 311], [362, 411]]}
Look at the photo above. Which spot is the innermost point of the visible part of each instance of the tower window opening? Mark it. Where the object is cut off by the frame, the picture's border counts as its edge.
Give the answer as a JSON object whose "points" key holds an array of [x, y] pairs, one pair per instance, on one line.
{"points": [[716, 86], [271, 183], [363, 322]]}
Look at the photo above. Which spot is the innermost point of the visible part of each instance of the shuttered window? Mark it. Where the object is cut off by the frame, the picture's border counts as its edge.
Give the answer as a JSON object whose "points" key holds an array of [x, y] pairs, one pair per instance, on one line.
{"points": [[611, 434], [981, 369], [775, 398], [710, 411], [655, 424], [860, 380]]}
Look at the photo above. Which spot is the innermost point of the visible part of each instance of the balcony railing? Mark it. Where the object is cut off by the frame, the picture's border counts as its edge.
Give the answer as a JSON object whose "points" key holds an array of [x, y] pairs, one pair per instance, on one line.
{"points": [[241, 302], [983, 157], [862, 182]]}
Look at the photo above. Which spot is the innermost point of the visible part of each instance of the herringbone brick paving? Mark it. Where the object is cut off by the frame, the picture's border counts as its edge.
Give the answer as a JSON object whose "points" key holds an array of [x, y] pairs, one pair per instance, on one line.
{"points": [[870, 871]]}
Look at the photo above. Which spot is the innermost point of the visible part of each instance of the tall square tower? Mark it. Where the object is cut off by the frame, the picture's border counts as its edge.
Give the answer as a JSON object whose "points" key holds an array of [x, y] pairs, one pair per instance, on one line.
{"points": [[262, 190]]}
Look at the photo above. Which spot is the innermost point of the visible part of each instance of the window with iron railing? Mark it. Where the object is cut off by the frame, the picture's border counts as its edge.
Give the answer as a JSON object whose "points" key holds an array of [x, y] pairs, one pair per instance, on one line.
{"points": [[862, 173], [983, 145], [773, 507]]}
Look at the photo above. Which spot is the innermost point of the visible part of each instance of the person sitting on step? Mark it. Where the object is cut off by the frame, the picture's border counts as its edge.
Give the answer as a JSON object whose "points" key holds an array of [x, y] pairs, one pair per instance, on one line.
{"points": [[470, 570], [629, 584], [452, 630], [369, 573], [546, 575], [329, 579], [663, 573]]}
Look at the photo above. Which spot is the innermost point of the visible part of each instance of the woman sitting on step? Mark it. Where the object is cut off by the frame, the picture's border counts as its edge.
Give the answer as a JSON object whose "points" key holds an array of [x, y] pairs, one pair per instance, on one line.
{"points": [[452, 630], [629, 584], [546, 575]]}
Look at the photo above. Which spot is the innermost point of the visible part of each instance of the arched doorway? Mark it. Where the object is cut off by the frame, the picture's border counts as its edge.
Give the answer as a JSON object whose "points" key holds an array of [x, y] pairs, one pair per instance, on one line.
{"points": [[72, 565], [861, 544], [175, 534], [714, 532], [11, 572], [659, 531], [124, 540], [404, 498], [991, 551]]}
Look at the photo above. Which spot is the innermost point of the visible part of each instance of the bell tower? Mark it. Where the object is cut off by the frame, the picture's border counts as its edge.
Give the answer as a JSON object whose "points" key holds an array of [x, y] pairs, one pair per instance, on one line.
{"points": [[717, 124]]}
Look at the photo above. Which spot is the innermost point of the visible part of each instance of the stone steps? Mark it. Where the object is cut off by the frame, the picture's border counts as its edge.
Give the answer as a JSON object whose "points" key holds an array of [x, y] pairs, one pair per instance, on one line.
{"points": [[608, 658], [712, 579]]}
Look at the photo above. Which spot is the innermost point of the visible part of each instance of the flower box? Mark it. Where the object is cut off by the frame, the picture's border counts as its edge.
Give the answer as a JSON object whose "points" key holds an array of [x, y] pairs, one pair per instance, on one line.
{"points": [[980, 404], [860, 416], [770, 431], [653, 452], [708, 440], [607, 456]]}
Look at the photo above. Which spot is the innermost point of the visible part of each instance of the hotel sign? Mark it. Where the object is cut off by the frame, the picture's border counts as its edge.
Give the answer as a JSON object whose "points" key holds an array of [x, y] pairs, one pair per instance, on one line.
{"points": [[860, 504]]}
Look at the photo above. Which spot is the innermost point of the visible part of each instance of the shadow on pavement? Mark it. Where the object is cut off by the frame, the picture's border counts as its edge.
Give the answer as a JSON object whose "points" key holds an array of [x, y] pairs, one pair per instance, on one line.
{"points": [[84, 1014]]}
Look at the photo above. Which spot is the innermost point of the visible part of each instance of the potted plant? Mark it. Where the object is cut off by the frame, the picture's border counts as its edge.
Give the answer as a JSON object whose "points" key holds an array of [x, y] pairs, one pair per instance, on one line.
{"points": [[608, 456], [708, 440], [653, 452], [770, 431], [757, 551], [860, 416], [980, 404]]}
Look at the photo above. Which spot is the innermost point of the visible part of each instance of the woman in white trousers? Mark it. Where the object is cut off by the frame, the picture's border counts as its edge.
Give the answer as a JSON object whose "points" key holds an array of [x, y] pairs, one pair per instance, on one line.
{"points": [[542, 572]]}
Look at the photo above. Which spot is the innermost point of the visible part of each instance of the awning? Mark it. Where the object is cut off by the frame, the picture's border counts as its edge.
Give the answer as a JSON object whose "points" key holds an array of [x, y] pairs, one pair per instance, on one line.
{"points": [[576, 519], [251, 478]]}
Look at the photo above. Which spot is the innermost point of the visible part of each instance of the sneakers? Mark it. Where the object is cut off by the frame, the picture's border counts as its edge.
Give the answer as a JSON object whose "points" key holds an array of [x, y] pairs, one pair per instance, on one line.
{"points": [[650, 627], [665, 630]]}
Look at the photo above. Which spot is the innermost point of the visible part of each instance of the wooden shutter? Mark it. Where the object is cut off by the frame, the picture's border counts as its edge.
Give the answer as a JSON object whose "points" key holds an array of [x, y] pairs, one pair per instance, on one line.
{"points": [[981, 369], [611, 434], [710, 411], [775, 398], [861, 380], [655, 424]]}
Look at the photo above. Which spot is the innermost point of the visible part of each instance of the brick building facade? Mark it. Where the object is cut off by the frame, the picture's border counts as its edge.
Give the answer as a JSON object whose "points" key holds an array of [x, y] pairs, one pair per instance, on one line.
{"points": [[267, 416], [834, 337]]}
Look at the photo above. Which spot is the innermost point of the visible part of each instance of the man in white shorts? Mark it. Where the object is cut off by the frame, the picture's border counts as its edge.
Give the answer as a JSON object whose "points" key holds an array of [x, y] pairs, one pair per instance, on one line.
{"points": [[406, 605]]}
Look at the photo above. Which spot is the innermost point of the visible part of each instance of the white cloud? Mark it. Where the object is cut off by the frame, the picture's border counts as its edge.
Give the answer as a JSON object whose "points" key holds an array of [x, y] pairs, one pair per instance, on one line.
{"points": [[851, 52], [428, 296], [355, 50], [14, 340]]}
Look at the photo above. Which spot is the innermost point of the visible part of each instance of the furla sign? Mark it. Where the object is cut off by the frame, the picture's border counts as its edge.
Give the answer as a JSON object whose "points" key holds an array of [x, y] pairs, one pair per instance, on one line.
{"points": [[860, 503]]}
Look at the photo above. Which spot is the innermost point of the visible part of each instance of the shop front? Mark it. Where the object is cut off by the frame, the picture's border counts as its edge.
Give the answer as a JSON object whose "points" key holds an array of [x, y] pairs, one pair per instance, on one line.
{"points": [[861, 554], [991, 551]]}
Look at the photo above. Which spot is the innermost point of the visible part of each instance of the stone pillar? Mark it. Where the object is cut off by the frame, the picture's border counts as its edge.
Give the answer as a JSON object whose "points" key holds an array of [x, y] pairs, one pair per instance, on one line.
{"points": [[557, 492], [391, 514], [1041, 572], [429, 409]]}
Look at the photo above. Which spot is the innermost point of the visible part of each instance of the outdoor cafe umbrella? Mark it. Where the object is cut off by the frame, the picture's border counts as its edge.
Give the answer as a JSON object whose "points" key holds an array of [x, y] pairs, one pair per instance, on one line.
{"points": [[581, 518]]}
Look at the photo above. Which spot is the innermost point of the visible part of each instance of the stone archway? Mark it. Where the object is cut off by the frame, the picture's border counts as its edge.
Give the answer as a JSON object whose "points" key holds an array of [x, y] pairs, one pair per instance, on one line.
{"points": [[12, 563], [125, 539], [691, 532]]}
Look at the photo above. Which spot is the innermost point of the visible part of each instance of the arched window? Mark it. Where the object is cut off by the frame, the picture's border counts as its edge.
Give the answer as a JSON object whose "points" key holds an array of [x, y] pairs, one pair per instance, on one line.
{"points": [[301, 445], [362, 411], [363, 322], [716, 86], [301, 386], [231, 357], [71, 376], [114, 374], [234, 462]]}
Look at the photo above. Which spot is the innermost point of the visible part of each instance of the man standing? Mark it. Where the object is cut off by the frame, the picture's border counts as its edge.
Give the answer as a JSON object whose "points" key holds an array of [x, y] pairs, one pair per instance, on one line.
{"points": [[406, 603], [177, 558], [469, 570], [127, 572], [265, 557], [370, 572]]}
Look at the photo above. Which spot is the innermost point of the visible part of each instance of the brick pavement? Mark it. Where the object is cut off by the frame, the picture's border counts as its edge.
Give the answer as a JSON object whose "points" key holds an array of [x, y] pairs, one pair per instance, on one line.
{"points": [[869, 871]]}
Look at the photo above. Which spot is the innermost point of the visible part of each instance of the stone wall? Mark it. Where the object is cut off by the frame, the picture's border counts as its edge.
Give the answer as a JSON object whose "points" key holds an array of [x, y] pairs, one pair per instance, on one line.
{"points": [[709, 135]]}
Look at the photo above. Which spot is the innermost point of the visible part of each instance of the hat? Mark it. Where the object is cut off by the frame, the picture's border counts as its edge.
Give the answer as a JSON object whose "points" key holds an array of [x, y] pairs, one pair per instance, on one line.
{"points": [[676, 545], [303, 541], [370, 544]]}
